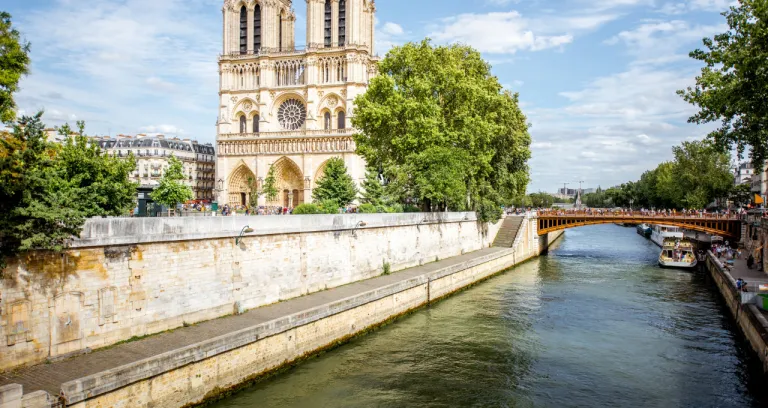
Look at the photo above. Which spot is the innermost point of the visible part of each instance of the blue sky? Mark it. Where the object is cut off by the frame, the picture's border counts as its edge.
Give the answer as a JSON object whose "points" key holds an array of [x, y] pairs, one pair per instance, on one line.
{"points": [[596, 78]]}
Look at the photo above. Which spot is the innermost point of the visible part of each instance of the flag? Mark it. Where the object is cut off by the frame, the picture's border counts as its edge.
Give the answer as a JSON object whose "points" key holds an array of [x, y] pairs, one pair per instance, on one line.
{"points": [[758, 199]]}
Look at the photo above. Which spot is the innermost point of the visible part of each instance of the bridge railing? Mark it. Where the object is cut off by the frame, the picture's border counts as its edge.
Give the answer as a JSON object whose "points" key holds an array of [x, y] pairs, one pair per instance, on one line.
{"points": [[636, 214]]}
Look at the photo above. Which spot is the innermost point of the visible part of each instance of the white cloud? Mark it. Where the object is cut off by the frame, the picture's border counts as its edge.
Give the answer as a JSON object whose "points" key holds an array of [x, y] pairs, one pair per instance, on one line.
{"points": [[388, 35], [161, 129], [110, 62], [391, 28], [510, 32], [696, 5], [660, 42]]}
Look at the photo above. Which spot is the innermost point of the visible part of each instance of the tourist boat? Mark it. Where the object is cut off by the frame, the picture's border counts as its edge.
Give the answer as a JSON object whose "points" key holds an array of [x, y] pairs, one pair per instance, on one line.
{"points": [[677, 253], [644, 230], [660, 232]]}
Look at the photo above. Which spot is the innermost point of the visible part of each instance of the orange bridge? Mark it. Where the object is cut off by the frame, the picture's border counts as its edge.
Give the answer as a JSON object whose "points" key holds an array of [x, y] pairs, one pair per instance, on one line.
{"points": [[725, 226]]}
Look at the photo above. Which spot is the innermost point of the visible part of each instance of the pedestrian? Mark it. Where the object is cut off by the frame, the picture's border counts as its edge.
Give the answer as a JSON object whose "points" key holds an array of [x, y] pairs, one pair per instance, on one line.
{"points": [[739, 283]]}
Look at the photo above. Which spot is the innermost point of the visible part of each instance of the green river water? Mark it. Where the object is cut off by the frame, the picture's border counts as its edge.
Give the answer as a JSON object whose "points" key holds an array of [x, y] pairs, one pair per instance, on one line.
{"points": [[593, 324]]}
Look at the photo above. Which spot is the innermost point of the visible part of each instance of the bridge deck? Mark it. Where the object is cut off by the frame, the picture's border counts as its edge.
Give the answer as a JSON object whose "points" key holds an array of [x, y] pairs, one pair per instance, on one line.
{"points": [[716, 224]]}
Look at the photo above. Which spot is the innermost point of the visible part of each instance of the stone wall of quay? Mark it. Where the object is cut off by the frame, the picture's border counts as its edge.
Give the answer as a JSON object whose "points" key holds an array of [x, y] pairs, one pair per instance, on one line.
{"points": [[192, 375], [749, 318], [127, 278]]}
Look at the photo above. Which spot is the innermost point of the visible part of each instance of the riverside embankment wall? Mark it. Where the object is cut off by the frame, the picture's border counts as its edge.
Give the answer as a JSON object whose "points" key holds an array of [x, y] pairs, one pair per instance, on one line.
{"points": [[749, 318], [131, 277], [190, 375]]}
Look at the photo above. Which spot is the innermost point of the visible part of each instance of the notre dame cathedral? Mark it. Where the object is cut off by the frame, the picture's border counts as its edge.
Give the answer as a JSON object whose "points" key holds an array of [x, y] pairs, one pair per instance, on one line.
{"points": [[290, 106]]}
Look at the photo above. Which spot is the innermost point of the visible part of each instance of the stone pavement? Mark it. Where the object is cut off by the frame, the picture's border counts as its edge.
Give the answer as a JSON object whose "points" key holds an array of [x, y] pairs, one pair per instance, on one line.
{"points": [[49, 377]]}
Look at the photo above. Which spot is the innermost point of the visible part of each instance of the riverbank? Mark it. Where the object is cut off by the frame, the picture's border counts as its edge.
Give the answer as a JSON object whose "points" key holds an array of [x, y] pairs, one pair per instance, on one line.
{"points": [[192, 364], [752, 320]]}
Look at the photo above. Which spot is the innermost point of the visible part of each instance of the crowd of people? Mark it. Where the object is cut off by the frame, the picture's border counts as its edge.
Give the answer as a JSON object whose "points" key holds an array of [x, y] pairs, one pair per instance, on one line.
{"points": [[698, 213]]}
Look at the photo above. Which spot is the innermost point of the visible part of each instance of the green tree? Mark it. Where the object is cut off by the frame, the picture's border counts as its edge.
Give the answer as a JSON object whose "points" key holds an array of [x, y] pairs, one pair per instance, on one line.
{"points": [[373, 191], [741, 195], [733, 83], [702, 174], [47, 191], [171, 191], [269, 189], [14, 63], [446, 133], [335, 185], [253, 193]]}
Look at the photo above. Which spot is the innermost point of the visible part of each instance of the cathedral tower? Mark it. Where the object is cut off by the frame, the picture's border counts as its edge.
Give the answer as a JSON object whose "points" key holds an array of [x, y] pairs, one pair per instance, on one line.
{"points": [[287, 106]]}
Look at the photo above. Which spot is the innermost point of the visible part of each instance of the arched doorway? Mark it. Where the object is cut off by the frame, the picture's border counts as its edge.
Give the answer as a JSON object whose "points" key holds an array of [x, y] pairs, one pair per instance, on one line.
{"points": [[241, 182], [290, 184]]}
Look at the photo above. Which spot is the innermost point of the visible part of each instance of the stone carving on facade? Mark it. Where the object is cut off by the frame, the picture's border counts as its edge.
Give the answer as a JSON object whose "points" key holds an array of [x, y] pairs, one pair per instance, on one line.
{"points": [[320, 93], [247, 106], [234, 99], [344, 93], [332, 101]]}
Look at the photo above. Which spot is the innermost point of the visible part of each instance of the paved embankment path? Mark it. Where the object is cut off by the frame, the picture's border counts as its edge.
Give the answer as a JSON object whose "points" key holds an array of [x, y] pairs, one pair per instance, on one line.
{"points": [[753, 277], [49, 377]]}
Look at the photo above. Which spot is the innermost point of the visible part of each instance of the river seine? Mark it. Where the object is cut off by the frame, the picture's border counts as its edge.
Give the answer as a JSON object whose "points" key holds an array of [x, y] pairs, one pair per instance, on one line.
{"points": [[593, 324]]}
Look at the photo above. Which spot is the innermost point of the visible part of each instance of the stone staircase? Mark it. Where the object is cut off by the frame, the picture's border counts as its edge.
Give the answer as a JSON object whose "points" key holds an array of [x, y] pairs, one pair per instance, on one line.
{"points": [[508, 231]]}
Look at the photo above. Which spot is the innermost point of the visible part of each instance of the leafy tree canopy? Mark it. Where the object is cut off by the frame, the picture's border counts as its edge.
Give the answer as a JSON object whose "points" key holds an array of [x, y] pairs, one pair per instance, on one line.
{"points": [[14, 63], [373, 191], [443, 129], [48, 190], [335, 185], [733, 83], [171, 191], [269, 189]]}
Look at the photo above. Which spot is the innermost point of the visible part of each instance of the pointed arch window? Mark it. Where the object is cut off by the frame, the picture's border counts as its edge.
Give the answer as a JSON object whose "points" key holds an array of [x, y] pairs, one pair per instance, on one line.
{"points": [[243, 30], [328, 18], [342, 120], [257, 28], [342, 22], [256, 124], [327, 121], [242, 124]]}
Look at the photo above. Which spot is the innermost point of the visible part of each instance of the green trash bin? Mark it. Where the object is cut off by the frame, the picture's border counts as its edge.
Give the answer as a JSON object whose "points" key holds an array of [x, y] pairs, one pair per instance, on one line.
{"points": [[763, 301], [214, 206]]}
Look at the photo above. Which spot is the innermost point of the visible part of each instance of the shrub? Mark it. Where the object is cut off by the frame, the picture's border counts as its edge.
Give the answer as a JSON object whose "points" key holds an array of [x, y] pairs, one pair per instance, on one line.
{"points": [[303, 209], [385, 268], [395, 208], [368, 209], [411, 209], [329, 207]]}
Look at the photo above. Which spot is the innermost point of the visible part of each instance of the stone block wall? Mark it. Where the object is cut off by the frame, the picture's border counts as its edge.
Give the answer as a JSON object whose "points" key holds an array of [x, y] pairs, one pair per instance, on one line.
{"points": [[133, 277]]}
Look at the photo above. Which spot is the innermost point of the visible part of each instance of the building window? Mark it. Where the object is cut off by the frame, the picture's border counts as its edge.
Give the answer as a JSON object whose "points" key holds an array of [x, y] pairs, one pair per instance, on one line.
{"points": [[256, 124], [328, 17], [342, 22], [243, 30], [341, 120], [327, 121], [242, 124], [257, 28]]}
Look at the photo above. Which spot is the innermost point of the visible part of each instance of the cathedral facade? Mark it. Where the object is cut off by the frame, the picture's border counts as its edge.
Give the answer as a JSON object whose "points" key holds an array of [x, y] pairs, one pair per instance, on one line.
{"points": [[287, 106]]}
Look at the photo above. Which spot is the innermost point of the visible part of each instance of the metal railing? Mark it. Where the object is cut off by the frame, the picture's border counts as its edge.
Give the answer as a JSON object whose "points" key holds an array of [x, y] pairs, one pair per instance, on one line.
{"points": [[289, 51], [637, 214]]}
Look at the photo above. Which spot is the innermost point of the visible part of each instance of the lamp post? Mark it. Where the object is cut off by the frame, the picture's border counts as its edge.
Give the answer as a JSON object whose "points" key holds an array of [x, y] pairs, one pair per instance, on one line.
{"points": [[246, 230]]}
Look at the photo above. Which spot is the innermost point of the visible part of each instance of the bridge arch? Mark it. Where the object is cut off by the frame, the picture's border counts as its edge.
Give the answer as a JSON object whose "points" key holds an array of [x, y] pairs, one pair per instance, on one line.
{"points": [[726, 227]]}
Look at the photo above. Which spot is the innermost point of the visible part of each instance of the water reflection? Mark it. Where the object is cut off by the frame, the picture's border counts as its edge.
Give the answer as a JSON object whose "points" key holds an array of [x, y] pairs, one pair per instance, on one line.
{"points": [[595, 323]]}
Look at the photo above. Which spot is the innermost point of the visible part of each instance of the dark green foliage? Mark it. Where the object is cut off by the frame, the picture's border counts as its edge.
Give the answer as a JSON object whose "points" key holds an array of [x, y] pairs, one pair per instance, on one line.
{"points": [[335, 184], [329, 207], [171, 191], [306, 209], [269, 189], [47, 190], [14, 63], [373, 191], [443, 130], [367, 208], [732, 87]]}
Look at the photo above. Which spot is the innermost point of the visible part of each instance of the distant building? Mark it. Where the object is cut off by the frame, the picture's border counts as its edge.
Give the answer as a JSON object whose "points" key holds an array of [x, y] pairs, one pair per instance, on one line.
{"points": [[743, 173], [572, 192], [152, 154], [759, 181]]}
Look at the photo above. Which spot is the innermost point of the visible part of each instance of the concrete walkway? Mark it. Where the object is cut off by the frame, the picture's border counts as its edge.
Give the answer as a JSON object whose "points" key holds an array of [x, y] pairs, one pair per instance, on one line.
{"points": [[49, 377], [753, 277]]}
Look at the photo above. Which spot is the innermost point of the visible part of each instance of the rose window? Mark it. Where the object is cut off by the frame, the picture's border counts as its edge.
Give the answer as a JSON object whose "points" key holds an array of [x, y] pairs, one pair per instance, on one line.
{"points": [[292, 114]]}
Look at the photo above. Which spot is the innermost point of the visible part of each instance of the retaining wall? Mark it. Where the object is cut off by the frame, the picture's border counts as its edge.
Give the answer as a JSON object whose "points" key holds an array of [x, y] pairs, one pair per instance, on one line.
{"points": [[131, 277], [749, 318]]}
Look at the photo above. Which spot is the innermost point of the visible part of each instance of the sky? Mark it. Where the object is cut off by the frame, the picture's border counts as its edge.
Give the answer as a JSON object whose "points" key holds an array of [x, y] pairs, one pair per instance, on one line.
{"points": [[596, 78]]}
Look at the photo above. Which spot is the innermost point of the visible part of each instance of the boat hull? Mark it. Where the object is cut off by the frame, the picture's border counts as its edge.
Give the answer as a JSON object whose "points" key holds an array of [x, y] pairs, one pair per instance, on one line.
{"points": [[678, 265]]}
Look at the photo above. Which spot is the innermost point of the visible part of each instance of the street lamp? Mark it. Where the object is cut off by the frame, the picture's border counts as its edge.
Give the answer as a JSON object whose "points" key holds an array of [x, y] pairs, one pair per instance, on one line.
{"points": [[246, 230]]}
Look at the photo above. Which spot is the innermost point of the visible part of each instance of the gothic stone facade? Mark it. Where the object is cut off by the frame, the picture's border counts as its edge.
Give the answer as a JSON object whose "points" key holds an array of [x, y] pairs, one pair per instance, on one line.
{"points": [[287, 107]]}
